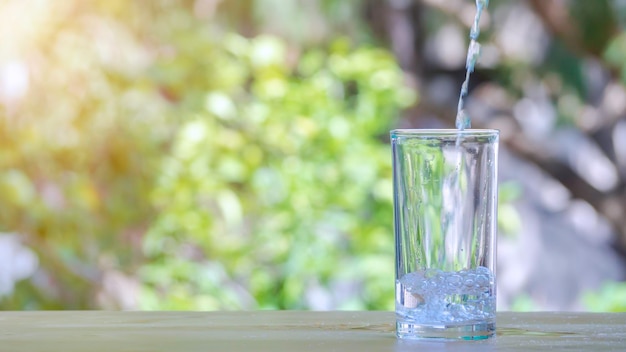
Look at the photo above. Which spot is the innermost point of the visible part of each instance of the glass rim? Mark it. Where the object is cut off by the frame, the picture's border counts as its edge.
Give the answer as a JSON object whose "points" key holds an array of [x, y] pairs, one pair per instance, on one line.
{"points": [[470, 132]]}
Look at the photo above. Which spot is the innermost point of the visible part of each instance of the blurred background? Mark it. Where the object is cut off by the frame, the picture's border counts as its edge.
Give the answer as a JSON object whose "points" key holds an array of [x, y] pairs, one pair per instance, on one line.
{"points": [[233, 154]]}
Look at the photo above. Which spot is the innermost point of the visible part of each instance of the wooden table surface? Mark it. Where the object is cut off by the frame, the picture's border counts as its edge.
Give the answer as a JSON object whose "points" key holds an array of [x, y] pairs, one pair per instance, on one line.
{"points": [[297, 331]]}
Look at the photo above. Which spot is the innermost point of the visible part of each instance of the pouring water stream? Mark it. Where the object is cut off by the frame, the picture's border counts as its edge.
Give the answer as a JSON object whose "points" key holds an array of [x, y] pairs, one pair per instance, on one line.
{"points": [[473, 52], [455, 220]]}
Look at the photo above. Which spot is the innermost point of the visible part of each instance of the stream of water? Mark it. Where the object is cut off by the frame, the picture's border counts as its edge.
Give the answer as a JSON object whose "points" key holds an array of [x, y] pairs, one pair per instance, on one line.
{"points": [[473, 53]]}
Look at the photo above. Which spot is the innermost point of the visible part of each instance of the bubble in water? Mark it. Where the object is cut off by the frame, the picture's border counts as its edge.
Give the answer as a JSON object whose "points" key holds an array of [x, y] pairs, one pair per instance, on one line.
{"points": [[412, 300], [446, 297], [454, 280], [432, 273], [481, 270], [482, 280]]}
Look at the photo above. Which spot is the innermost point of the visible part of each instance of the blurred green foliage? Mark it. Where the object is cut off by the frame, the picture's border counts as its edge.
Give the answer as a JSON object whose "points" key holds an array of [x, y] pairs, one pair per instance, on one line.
{"points": [[610, 298], [279, 181], [509, 221], [523, 303], [166, 157]]}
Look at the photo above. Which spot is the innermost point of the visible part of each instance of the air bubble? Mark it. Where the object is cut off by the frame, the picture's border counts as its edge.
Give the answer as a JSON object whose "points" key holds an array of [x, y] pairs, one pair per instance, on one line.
{"points": [[454, 280], [437, 296]]}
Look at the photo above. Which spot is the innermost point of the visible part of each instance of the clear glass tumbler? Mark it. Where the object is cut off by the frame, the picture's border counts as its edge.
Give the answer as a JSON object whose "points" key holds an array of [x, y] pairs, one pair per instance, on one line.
{"points": [[445, 213]]}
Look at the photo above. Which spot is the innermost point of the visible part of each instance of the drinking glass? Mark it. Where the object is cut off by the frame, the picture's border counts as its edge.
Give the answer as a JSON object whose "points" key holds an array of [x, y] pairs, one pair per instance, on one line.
{"points": [[445, 215]]}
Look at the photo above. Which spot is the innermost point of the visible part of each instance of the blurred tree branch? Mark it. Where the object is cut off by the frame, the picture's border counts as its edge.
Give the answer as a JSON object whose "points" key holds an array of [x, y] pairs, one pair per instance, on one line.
{"points": [[584, 26], [557, 17]]}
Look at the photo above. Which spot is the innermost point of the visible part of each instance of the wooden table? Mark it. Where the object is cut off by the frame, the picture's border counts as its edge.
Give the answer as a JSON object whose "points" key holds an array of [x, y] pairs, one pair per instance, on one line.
{"points": [[95, 331]]}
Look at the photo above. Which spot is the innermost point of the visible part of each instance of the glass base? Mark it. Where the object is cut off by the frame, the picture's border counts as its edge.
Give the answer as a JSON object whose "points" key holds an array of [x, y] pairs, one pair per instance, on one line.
{"points": [[475, 331]]}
